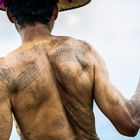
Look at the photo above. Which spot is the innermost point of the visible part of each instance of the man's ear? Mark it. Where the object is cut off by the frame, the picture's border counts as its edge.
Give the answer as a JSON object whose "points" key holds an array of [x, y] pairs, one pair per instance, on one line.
{"points": [[55, 13], [10, 17]]}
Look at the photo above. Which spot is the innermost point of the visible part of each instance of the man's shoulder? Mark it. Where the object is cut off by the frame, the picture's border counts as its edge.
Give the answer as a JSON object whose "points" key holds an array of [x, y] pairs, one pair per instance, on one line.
{"points": [[73, 42]]}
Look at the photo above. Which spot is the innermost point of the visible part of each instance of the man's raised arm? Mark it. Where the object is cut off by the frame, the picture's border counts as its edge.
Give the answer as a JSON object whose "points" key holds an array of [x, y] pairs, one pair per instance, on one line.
{"points": [[5, 115], [123, 113]]}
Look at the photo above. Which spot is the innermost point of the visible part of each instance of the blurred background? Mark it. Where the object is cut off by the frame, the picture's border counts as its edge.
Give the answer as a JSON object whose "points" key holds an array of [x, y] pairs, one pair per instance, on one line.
{"points": [[112, 27]]}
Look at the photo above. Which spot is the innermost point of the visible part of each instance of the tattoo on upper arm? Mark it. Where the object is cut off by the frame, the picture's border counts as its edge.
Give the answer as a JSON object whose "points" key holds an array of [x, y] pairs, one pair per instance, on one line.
{"points": [[20, 82]]}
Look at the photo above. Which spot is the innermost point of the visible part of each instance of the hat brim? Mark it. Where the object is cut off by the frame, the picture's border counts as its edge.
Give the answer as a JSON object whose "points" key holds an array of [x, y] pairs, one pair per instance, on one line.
{"points": [[63, 5]]}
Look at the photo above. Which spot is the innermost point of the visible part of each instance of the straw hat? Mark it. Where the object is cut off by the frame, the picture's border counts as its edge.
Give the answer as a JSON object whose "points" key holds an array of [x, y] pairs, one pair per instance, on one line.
{"points": [[63, 4]]}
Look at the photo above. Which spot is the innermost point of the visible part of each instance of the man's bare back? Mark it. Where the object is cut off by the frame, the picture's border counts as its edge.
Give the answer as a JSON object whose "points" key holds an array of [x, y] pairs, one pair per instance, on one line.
{"points": [[50, 83]]}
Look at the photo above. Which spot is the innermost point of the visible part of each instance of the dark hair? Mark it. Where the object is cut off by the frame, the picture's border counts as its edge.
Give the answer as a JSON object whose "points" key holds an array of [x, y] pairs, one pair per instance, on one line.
{"points": [[31, 11]]}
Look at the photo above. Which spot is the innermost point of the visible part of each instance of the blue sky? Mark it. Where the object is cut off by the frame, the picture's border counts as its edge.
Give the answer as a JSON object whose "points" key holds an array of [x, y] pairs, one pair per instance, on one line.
{"points": [[113, 28]]}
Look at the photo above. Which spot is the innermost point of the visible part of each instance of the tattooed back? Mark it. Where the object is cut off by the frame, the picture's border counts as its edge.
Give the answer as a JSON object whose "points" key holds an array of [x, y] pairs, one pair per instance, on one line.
{"points": [[50, 84]]}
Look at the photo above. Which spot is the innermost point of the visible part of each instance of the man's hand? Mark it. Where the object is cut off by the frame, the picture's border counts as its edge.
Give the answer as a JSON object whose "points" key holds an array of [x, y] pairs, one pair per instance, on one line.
{"points": [[123, 113], [5, 115]]}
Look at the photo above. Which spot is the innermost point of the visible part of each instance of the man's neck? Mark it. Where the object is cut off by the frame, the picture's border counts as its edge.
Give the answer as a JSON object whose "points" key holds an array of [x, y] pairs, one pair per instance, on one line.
{"points": [[30, 33]]}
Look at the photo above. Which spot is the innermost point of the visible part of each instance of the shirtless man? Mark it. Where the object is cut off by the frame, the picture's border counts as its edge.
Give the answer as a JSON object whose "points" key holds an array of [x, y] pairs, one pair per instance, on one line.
{"points": [[50, 82]]}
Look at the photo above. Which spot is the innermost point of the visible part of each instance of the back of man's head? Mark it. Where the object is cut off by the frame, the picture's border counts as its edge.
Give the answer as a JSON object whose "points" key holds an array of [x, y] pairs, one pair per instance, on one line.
{"points": [[29, 12]]}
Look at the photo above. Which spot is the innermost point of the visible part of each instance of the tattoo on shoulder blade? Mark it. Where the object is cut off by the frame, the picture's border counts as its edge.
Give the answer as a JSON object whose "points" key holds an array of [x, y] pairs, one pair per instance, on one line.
{"points": [[27, 76], [20, 82], [64, 54]]}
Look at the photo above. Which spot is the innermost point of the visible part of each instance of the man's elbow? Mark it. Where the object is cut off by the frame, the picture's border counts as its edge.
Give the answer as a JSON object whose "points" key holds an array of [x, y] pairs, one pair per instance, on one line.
{"points": [[129, 133], [133, 133], [129, 130], [128, 124]]}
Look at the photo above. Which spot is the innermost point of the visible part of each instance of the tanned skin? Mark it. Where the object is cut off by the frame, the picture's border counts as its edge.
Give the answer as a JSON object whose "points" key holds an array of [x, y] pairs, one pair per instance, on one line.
{"points": [[50, 83]]}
